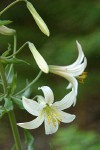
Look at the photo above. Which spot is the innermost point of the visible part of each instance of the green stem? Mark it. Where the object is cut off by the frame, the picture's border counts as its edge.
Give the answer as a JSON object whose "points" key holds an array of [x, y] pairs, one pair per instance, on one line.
{"points": [[13, 3], [14, 50], [30, 84], [14, 129], [18, 50], [11, 113], [15, 43], [3, 78]]}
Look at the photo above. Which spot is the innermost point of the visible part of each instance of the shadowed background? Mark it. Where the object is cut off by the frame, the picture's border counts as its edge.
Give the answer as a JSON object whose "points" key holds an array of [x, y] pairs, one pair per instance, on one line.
{"points": [[68, 21]]}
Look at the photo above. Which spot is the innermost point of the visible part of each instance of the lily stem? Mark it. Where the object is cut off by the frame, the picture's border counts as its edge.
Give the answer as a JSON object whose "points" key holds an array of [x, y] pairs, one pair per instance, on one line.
{"points": [[13, 3], [3, 78], [16, 136], [16, 52], [11, 113], [30, 84]]}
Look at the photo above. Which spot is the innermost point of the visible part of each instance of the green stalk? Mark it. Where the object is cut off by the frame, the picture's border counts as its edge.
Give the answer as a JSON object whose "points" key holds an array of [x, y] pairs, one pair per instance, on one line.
{"points": [[12, 4], [15, 43], [16, 136], [16, 52], [3, 78], [11, 113], [30, 84]]}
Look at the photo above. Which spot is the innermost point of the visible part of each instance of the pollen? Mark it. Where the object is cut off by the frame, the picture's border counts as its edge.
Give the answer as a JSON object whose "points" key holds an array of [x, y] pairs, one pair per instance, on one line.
{"points": [[52, 115], [82, 77]]}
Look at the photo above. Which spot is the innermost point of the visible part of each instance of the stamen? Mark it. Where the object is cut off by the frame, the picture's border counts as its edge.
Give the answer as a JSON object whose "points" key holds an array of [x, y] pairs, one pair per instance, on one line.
{"points": [[54, 121], [52, 115], [59, 121], [82, 77]]}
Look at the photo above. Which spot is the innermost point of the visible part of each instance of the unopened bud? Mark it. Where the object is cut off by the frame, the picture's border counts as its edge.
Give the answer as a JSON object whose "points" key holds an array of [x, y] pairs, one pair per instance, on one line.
{"points": [[39, 21], [38, 58], [6, 31]]}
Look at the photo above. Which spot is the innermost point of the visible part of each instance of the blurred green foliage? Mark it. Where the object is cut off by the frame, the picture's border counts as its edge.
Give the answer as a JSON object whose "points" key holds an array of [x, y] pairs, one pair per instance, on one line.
{"points": [[74, 139]]}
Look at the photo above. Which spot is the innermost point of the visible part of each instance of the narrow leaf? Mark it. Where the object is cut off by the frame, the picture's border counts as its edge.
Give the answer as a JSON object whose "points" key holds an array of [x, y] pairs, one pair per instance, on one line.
{"points": [[18, 102], [9, 72], [8, 104], [2, 111], [27, 91], [13, 84], [5, 22], [14, 147], [29, 140], [12, 60]]}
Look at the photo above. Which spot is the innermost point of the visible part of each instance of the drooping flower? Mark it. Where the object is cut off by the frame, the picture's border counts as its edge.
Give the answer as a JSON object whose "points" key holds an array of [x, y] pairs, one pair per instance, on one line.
{"points": [[48, 112], [39, 21], [6, 31], [38, 58], [71, 71]]}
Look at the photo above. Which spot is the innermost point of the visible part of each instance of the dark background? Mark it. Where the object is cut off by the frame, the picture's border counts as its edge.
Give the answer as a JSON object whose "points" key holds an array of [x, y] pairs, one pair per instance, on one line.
{"points": [[68, 21]]}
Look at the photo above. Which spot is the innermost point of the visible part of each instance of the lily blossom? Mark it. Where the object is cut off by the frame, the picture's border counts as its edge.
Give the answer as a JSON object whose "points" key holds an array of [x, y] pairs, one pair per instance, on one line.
{"points": [[74, 70], [48, 112]]}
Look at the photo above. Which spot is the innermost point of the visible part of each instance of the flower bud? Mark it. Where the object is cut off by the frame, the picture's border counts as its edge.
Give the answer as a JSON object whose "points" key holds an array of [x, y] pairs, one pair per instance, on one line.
{"points": [[38, 58], [6, 31], [39, 21]]}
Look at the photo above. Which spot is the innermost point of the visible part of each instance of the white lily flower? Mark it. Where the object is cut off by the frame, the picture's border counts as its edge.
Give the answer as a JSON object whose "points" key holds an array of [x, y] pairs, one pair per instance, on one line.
{"points": [[48, 112], [74, 70], [38, 58], [39, 21], [6, 31]]}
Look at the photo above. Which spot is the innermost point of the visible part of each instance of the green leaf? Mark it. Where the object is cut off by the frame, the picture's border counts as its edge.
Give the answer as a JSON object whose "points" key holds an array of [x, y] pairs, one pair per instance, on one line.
{"points": [[13, 84], [5, 22], [29, 140], [9, 72], [8, 104], [1, 96], [18, 102], [2, 111], [12, 60], [14, 147], [51, 146], [11, 78], [82, 139], [27, 91]]}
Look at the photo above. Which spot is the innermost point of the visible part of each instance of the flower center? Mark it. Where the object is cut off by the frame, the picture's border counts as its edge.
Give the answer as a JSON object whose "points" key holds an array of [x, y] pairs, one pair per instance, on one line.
{"points": [[52, 115], [82, 77]]}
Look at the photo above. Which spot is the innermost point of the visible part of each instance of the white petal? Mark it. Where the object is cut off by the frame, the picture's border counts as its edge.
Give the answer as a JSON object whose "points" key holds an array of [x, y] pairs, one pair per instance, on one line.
{"points": [[65, 117], [80, 57], [50, 127], [73, 82], [70, 78], [66, 75], [66, 102], [78, 70], [41, 24], [32, 124], [69, 86], [31, 106], [48, 94], [38, 58], [53, 68], [40, 99]]}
